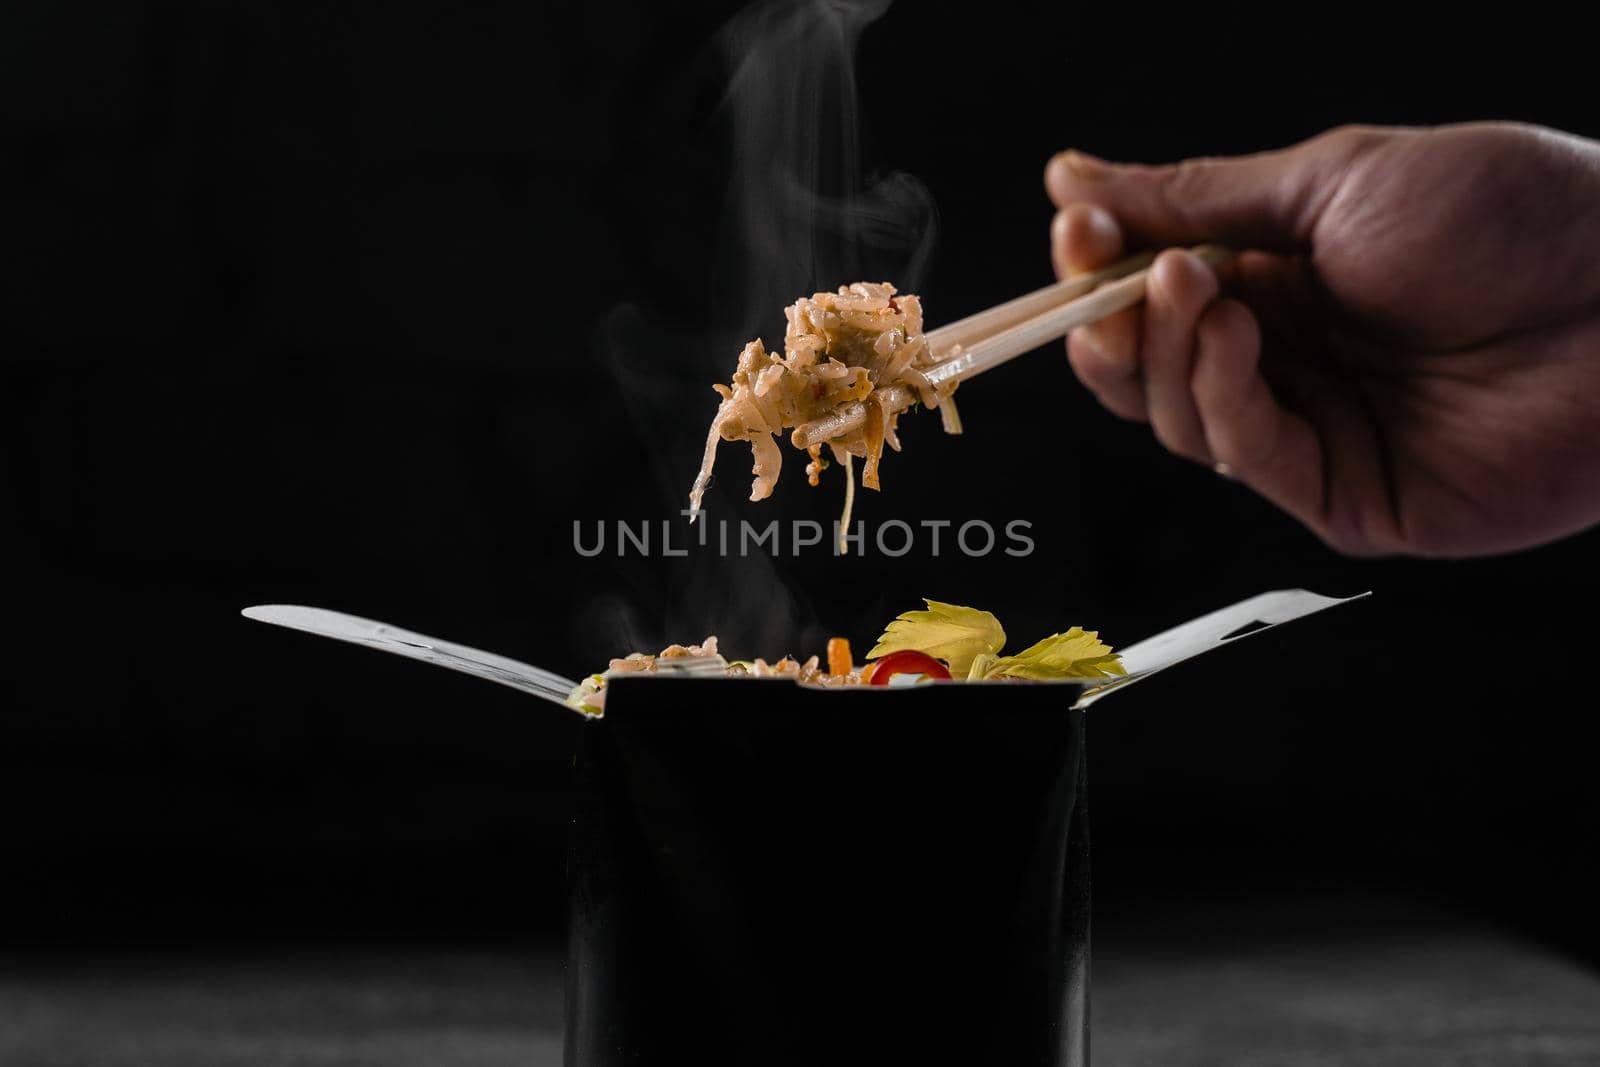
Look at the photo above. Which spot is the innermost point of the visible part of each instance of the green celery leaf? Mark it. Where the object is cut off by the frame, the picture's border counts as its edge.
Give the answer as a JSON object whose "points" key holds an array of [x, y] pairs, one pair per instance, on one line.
{"points": [[949, 632], [1075, 654]]}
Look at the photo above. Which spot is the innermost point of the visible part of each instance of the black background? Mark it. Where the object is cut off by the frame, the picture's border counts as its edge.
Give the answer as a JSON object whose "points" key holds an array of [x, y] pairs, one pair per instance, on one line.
{"points": [[363, 306]]}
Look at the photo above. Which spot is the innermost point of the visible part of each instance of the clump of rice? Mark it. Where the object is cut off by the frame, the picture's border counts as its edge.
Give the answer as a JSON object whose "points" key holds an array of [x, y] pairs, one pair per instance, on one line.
{"points": [[589, 695]]}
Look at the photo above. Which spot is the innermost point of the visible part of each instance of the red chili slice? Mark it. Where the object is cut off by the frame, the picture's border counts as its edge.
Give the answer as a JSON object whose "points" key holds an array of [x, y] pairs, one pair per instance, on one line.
{"points": [[907, 662]]}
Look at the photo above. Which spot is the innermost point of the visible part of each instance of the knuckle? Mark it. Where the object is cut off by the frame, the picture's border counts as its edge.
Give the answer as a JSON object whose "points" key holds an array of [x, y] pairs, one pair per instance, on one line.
{"points": [[1350, 139], [1182, 185]]}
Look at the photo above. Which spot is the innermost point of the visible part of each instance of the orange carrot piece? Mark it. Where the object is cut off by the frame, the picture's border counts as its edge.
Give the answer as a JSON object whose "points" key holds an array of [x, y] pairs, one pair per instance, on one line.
{"points": [[839, 662]]}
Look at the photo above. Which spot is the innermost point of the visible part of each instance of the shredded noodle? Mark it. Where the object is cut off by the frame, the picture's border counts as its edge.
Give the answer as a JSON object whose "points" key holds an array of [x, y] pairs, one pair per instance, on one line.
{"points": [[861, 346]]}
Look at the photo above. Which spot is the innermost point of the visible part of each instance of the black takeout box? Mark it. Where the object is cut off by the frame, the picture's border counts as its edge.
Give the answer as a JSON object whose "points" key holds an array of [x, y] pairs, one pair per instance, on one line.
{"points": [[768, 873]]}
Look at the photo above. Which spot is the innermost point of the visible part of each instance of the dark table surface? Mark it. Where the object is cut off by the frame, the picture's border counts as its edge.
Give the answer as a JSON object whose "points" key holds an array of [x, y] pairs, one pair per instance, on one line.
{"points": [[1354, 979]]}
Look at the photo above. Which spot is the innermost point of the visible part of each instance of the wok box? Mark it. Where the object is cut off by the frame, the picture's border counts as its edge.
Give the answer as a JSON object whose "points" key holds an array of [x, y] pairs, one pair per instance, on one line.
{"points": [[767, 873]]}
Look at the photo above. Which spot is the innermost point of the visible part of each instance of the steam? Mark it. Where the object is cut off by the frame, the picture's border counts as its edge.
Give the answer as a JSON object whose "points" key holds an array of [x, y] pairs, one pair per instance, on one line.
{"points": [[798, 215]]}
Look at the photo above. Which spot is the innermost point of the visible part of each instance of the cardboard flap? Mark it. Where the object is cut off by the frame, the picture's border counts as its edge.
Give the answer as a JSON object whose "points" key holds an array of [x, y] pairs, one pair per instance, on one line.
{"points": [[392, 639], [1212, 631]]}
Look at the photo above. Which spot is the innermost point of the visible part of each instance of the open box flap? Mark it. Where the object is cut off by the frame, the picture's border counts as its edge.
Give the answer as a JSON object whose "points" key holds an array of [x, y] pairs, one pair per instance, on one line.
{"points": [[1141, 660], [523, 677], [1210, 632]]}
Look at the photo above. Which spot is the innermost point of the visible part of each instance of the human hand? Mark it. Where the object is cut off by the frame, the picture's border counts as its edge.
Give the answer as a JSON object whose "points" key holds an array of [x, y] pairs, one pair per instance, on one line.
{"points": [[1407, 359]]}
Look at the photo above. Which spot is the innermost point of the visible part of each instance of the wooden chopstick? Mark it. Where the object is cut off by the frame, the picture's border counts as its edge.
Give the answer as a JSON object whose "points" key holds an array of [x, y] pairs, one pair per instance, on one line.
{"points": [[1006, 331], [1050, 325], [1014, 312]]}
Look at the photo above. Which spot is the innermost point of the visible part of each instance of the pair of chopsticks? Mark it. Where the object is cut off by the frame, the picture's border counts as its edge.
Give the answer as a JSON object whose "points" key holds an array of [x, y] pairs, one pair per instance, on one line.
{"points": [[1000, 334]]}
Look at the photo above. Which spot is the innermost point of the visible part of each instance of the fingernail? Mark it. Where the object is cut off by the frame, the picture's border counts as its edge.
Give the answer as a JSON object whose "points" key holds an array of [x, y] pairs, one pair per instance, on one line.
{"points": [[1083, 165], [1059, 226], [1101, 219], [1223, 469]]}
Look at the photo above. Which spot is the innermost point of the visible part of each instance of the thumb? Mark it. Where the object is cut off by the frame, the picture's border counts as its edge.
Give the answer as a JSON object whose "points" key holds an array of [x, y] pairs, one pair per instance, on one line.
{"points": [[1270, 201]]}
